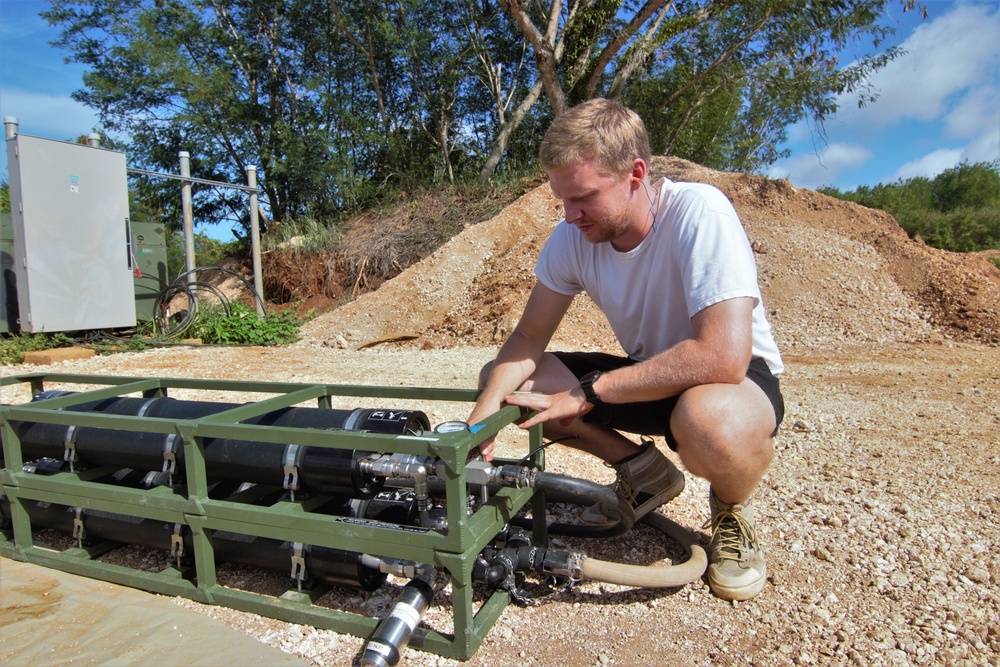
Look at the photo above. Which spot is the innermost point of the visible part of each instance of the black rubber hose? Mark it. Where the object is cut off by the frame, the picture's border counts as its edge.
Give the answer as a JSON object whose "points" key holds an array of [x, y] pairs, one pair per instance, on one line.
{"points": [[583, 492]]}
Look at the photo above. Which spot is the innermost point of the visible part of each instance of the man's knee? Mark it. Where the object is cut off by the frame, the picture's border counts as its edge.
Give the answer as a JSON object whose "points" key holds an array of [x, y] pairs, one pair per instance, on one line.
{"points": [[718, 421]]}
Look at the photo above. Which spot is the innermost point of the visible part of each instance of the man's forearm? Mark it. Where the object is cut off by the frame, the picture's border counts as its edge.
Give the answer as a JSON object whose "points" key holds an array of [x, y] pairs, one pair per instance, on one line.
{"points": [[516, 361], [668, 374], [719, 353]]}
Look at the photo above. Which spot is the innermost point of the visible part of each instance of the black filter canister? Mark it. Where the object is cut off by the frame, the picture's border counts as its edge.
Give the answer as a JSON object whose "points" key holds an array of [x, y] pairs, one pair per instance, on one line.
{"points": [[331, 566], [319, 469]]}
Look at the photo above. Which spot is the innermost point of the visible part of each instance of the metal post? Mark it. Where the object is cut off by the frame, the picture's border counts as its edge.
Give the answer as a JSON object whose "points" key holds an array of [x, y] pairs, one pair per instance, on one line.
{"points": [[10, 126], [188, 215], [258, 281]]}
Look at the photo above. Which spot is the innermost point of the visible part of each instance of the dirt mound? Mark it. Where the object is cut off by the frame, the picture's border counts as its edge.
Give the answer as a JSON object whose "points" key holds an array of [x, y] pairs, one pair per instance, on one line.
{"points": [[832, 273]]}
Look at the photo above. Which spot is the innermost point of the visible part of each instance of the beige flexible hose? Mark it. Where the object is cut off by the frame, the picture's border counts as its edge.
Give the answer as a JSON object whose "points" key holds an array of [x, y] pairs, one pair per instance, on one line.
{"points": [[646, 576]]}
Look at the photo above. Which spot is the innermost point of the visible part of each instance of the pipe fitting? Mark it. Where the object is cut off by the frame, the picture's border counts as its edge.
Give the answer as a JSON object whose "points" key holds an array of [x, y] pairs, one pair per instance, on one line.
{"points": [[404, 466]]}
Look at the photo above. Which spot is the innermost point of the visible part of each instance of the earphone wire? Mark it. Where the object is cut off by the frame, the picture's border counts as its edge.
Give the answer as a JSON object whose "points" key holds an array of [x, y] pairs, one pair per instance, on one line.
{"points": [[652, 205]]}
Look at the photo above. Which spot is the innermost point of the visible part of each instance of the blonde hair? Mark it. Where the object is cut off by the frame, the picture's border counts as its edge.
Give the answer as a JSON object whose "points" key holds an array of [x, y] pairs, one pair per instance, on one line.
{"points": [[601, 130]]}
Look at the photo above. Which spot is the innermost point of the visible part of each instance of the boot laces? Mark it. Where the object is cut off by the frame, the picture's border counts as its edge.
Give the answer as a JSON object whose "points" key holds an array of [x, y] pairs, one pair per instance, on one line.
{"points": [[733, 537], [623, 486]]}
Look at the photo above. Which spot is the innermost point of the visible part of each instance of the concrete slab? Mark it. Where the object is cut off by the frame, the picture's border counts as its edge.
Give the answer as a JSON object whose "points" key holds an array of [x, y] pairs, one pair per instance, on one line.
{"points": [[49, 617]]}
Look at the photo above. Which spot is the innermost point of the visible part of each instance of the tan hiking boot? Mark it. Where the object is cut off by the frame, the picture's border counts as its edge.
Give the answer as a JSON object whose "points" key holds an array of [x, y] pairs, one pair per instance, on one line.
{"points": [[646, 480], [736, 569]]}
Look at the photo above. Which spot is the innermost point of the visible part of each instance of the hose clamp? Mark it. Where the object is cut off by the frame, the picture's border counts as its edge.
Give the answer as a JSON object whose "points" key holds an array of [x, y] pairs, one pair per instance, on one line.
{"points": [[574, 564], [79, 532], [298, 563], [290, 480], [141, 412], [69, 453], [170, 457]]}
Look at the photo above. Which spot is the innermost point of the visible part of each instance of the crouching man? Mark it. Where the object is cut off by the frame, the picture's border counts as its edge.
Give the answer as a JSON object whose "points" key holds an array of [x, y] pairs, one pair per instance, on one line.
{"points": [[671, 267]]}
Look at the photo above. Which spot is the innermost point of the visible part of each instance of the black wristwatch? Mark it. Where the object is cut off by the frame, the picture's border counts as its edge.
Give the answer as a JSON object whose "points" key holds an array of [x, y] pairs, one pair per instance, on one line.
{"points": [[587, 384]]}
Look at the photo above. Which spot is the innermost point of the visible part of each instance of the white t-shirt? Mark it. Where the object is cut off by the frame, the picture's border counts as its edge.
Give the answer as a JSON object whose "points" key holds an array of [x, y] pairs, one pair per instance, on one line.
{"points": [[697, 254]]}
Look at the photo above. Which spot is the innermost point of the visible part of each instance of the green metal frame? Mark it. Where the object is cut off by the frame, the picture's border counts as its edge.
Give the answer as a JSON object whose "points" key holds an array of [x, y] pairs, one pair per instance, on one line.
{"points": [[190, 505]]}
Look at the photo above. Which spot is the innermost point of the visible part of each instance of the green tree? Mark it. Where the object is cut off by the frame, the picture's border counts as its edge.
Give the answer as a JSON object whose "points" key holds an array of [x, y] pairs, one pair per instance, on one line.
{"points": [[234, 83], [974, 186], [715, 71], [334, 100]]}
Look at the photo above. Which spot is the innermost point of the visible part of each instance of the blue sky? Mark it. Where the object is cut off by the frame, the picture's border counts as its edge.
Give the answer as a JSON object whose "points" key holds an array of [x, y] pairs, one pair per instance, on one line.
{"points": [[939, 104]]}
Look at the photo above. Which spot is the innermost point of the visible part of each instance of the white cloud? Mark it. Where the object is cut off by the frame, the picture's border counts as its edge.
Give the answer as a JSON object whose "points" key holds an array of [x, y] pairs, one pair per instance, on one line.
{"points": [[50, 116], [946, 57], [929, 165], [978, 113], [814, 170], [986, 148]]}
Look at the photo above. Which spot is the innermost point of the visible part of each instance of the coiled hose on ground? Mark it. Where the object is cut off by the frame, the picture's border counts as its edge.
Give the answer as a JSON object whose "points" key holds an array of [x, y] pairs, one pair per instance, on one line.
{"points": [[559, 488]]}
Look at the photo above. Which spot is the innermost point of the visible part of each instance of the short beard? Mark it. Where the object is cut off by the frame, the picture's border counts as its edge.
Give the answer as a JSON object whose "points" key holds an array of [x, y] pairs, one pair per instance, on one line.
{"points": [[611, 227]]}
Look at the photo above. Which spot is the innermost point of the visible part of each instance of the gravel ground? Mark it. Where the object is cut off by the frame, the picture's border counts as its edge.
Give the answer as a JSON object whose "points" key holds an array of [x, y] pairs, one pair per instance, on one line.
{"points": [[879, 518], [880, 513]]}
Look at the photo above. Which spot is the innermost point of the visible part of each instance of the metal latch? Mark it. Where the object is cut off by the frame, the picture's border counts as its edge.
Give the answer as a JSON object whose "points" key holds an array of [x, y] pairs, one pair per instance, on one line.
{"points": [[170, 457], [298, 563], [177, 544], [69, 454], [79, 532], [290, 481]]}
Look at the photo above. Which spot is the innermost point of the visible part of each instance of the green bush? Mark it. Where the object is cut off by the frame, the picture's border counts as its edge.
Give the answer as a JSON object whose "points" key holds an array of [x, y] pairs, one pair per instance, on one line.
{"points": [[12, 349], [241, 326]]}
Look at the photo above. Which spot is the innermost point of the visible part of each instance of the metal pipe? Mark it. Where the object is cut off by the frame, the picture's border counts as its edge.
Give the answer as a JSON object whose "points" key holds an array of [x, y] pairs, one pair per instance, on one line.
{"points": [[10, 127], [406, 467], [258, 281], [187, 213]]}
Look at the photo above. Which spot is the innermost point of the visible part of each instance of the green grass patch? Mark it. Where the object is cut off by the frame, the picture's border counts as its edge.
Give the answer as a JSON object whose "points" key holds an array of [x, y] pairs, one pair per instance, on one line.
{"points": [[241, 326]]}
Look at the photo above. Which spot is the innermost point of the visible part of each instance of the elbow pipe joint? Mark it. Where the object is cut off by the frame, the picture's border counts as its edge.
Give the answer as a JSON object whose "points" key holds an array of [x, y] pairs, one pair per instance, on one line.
{"points": [[406, 467]]}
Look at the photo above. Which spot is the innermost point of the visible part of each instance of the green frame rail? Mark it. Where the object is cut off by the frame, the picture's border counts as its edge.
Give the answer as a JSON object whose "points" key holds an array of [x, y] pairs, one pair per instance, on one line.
{"points": [[189, 504]]}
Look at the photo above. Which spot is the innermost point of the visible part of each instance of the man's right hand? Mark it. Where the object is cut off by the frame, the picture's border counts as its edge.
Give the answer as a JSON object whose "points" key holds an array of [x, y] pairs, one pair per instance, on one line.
{"points": [[479, 413]]}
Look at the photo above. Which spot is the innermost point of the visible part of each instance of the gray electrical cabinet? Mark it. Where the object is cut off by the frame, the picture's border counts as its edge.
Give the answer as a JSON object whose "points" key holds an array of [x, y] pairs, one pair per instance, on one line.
{"points": [[70, 219], [149, 252]]}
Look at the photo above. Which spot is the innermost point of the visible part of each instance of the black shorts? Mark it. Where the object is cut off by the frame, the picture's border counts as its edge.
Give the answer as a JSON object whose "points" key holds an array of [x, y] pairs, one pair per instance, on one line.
{"points": [[653, 417]]}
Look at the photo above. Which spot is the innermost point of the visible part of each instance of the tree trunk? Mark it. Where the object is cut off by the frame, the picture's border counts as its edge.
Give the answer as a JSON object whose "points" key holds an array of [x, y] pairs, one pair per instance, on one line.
{"points": [[507, 131]]}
